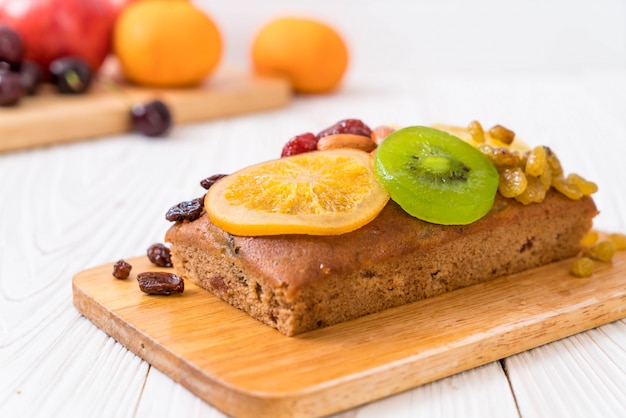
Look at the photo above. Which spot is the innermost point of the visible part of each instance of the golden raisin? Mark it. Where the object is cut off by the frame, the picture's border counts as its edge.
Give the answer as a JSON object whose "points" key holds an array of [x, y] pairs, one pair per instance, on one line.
{"points": [[583, 267], [512, 182], [546, 178], [476, 131], [502, 134], [590, 239], [554, 163], [536, 161], [534, 192], [603, 250], [619, 240], [566, 187], [503, 157], [585, 186]]}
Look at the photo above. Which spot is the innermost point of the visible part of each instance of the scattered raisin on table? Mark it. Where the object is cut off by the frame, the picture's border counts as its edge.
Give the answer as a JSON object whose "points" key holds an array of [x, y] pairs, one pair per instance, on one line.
{"points": [[583, 267], [186, 211], [160, 283], [159, 255], [210, 181], [603, 250], [121, 269]]}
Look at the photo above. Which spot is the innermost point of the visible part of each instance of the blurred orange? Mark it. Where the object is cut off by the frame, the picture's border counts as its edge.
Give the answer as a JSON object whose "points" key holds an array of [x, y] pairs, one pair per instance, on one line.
{"points": [[310, 54], [166, 43]]}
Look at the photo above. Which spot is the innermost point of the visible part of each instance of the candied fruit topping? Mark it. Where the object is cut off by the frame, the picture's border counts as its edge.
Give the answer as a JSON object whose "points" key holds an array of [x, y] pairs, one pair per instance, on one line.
{"points": [[347, 126], [211, 180], [534, 191], [536, 161], [513, 182], [476, 131], [186, 211], [299, 144], [522, 170], [586, 187], [502, 134], [566, 187]]}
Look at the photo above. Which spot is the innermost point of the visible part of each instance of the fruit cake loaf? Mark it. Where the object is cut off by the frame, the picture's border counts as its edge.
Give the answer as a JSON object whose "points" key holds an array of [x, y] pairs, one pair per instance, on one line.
{"points": [[483, 223], [297, 283]]}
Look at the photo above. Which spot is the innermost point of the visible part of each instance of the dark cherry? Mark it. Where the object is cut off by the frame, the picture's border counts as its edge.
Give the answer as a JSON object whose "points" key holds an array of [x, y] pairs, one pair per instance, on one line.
{"points": [[11, 48], [11, 89], [152, 118], [71, 75], [300, 143], [31, 75], [347, 126]]}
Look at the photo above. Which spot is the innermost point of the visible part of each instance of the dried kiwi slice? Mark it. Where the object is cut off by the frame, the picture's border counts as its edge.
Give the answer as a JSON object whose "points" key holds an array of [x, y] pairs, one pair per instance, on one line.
{"points": [[436, 176]]}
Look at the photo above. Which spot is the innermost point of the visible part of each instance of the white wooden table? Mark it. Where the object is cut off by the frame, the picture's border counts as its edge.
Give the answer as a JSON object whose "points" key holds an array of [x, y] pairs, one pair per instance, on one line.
{"points": [[70, 207]]}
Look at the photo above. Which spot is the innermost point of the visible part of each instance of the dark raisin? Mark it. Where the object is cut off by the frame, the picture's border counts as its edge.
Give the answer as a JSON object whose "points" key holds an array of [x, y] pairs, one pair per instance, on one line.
{"points": [[186, 211], [121, 269], [347, 126], [210, 181], [300, 144], [160, 283], [218, 283], [160, 255], [152, 118]]}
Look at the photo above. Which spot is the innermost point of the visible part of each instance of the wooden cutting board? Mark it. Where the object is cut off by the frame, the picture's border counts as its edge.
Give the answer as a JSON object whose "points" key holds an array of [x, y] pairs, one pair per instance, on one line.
{"points": [[50, 118], [247, 369]]}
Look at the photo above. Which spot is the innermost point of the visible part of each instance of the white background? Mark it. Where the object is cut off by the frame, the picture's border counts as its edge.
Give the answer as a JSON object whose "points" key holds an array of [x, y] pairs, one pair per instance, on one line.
{"points": [[448, 35]]}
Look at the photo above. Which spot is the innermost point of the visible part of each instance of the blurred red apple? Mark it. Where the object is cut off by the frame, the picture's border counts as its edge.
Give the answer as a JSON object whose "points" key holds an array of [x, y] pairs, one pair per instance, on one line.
{"points": [[52, 29]]}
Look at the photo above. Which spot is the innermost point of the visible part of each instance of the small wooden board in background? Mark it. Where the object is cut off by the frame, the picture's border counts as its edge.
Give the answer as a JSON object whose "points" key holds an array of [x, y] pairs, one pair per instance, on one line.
{"points": [[247, 369], [50, 118]]}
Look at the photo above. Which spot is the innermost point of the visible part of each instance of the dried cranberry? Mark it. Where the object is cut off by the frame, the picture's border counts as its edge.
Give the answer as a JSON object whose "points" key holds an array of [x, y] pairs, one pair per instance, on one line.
{"points": [[299, 144], [210, 181], [186, 211], [121, 269], [347, 126], [160, 283], [160, 255]]}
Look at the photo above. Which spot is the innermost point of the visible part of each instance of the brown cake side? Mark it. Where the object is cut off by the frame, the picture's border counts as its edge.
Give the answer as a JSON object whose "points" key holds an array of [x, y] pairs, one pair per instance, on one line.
{"points": [[297, 283]]}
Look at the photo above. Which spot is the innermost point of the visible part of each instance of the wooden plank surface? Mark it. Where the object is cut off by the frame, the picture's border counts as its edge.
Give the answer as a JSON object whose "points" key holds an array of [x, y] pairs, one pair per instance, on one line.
{"points": [[245, 368], [49, 118]]}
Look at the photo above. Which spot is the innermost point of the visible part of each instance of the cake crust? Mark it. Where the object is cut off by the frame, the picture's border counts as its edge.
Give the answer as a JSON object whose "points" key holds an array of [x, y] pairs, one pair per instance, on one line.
{"points": [[297, 283]]}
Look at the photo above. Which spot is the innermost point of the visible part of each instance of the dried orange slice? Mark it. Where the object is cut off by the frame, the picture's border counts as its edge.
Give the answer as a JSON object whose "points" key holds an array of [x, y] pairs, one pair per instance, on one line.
{"points": [[315, 193]]}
